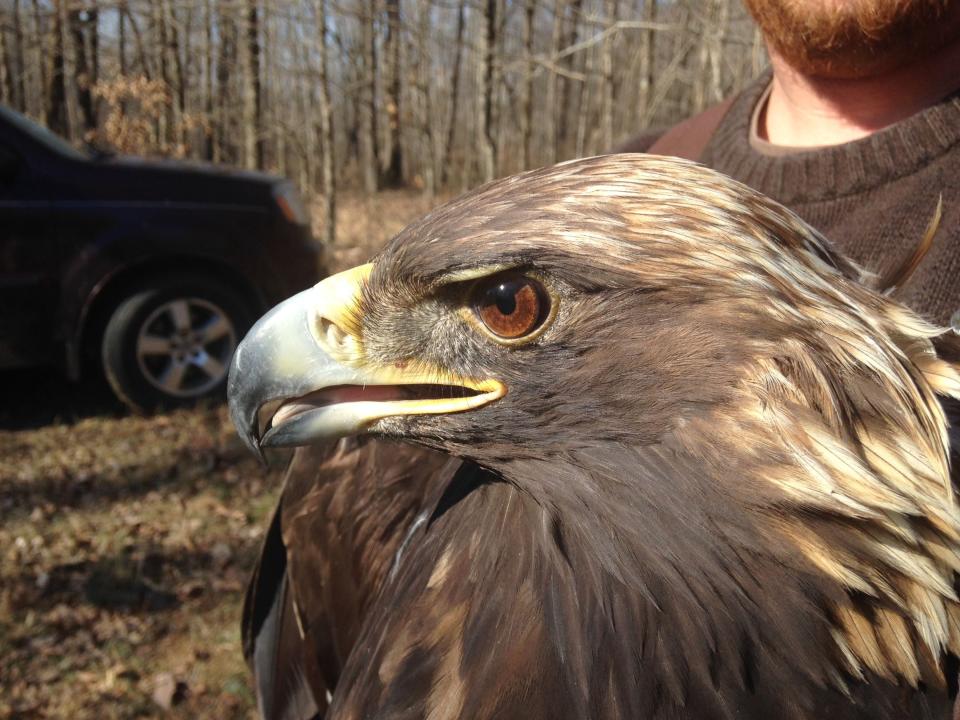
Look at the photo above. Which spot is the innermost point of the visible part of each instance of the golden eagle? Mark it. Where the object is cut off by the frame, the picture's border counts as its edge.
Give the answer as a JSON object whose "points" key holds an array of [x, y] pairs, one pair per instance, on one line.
{"points": [[706, 470]]}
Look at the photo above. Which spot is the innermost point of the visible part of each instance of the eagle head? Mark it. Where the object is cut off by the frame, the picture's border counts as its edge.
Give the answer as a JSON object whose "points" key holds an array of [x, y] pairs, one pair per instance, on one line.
{"points": [[647, 340]]}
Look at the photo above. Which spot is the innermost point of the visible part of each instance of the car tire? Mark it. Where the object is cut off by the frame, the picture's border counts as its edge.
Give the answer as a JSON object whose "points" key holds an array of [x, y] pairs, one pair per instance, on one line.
{"points": [[170, 344]]}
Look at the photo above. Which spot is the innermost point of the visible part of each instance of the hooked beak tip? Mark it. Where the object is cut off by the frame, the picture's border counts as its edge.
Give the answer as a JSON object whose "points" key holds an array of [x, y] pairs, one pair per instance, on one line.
{"points": [[243, 414], [246, 426]]}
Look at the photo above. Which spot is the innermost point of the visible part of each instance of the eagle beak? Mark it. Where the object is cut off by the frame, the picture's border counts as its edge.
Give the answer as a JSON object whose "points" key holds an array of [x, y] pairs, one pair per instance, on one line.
{"points": [[306, 357]]}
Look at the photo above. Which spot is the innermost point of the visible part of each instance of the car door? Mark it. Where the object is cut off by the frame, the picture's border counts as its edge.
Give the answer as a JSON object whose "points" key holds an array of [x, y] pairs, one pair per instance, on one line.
{"points": [[29, 263]]}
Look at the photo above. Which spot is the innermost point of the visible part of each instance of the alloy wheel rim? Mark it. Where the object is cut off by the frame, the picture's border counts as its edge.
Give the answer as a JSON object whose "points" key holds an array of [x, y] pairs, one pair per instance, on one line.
{"points": [[184, 347]]}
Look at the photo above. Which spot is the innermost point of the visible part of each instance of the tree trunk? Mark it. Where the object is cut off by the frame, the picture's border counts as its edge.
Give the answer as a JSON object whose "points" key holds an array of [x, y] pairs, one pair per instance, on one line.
{"points": [[122, 42], [425, 111], [158, 35], [6, 63], [145, 67], [210, 149], [177, 72], [570, 36], [526, 110], [369, 146], [606, 111], [253, 137], [40, 45], [278, 111], [702, 91], [94, 23], [20, 65], [486, 90], [647, 64], [583, 106], [501, 98], [719, 29], [58, 113], [224, 149], [326, 134], [393, 172], [85, 76], [454, 96], [308, 175], [553, 110]]}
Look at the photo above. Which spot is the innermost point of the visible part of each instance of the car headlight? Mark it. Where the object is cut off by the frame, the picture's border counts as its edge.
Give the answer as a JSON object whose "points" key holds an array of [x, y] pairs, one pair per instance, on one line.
{"points": [[290, 203]]}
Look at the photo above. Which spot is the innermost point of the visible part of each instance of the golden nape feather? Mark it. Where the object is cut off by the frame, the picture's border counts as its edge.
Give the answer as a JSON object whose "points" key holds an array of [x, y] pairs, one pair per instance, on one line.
{"points": [[882, 466], [699, 469], [853, 394]]}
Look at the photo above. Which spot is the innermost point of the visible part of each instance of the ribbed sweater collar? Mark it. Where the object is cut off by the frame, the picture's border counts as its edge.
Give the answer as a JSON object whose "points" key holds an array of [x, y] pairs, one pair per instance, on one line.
{"points": [[832, 172]]}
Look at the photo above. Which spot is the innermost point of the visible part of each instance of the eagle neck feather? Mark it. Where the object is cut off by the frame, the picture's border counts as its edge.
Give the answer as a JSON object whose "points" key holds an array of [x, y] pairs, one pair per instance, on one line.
{"points": [[854, 510]]}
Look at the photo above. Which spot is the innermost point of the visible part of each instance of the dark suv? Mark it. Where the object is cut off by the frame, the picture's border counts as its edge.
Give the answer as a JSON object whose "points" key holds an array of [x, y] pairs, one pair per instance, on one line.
{"points": [[151, 270]]}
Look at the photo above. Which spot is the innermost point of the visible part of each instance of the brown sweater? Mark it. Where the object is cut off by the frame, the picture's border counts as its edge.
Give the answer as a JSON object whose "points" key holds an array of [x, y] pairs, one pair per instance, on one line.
{"points": [[873, 198]]}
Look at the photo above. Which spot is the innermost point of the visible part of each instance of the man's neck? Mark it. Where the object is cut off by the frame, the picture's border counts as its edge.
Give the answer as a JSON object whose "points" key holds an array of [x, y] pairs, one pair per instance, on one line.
{"points": [[806, 111]]}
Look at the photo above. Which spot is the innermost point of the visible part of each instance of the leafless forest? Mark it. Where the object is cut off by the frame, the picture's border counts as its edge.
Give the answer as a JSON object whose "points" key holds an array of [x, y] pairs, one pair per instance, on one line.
{"points": [[370, 94]]}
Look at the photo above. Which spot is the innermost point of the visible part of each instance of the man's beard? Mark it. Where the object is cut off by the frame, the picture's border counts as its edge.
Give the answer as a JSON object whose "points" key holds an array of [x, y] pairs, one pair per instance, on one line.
{"points": [[855, 38]]}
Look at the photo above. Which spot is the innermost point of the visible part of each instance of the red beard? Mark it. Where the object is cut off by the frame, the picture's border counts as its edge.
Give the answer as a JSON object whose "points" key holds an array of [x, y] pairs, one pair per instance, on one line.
{"points": [[850, 39]]}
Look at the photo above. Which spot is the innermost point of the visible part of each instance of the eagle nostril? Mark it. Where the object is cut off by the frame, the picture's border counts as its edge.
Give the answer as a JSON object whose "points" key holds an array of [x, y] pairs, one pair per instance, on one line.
{"points": [[327, 332], [336, 341]]}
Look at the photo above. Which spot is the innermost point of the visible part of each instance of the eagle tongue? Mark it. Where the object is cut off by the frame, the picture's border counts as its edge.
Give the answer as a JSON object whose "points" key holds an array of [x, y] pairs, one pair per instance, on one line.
{"points": [[336, 395]]}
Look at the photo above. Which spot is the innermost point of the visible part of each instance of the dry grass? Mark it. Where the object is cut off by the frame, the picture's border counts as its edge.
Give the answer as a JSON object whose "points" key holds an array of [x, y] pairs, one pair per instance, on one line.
{"points": [[127, 541]]}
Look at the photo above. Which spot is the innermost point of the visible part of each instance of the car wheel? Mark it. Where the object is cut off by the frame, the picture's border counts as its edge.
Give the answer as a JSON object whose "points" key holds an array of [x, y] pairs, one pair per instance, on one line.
{"points": [[170, 344]]}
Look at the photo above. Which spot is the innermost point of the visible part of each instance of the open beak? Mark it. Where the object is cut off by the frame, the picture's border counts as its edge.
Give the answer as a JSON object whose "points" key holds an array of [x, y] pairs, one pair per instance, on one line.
{"points": [[306, 359]]}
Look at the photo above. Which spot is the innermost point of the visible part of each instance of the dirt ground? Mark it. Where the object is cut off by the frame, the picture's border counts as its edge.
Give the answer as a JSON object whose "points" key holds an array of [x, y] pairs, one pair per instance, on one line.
{"points": [[126, 541]]}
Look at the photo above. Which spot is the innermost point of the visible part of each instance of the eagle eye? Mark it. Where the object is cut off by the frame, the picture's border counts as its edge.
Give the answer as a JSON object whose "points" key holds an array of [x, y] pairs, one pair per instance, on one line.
{"points": [[511, 306]]}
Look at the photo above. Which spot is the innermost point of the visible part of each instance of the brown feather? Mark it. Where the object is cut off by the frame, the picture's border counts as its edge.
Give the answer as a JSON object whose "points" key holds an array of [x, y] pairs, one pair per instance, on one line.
{"points": [[718, 487], [897, 277], [343, 514]]}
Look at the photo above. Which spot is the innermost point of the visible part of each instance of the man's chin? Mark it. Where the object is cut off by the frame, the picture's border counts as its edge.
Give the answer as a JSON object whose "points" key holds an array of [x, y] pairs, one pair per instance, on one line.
{"points": [[854, 39]]}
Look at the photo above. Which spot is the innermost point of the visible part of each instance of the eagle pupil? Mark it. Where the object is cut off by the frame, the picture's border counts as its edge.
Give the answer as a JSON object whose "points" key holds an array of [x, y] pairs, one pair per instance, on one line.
{"points": [[506, 298]]}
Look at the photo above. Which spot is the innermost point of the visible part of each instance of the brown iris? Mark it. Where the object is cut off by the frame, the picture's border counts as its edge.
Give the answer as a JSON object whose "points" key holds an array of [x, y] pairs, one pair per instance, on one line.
{"points": [[511, 306]]}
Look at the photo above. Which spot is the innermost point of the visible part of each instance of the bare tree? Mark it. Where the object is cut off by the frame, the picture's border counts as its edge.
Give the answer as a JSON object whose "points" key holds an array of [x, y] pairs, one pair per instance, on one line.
{"points": [[252, 135], [326, 130], [122, 43], [224, 149], [393, 172], [454, 94], [426, 93], [648, 39], [427, 146], [58, 110], [526, 114], [568, 107], [553, 127], [485, 91], [606, 110], [18, 67], [142, 58], [211, 151], [158, 32], [368, 136], [40, 60], [84, 36], [6, 84]]}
